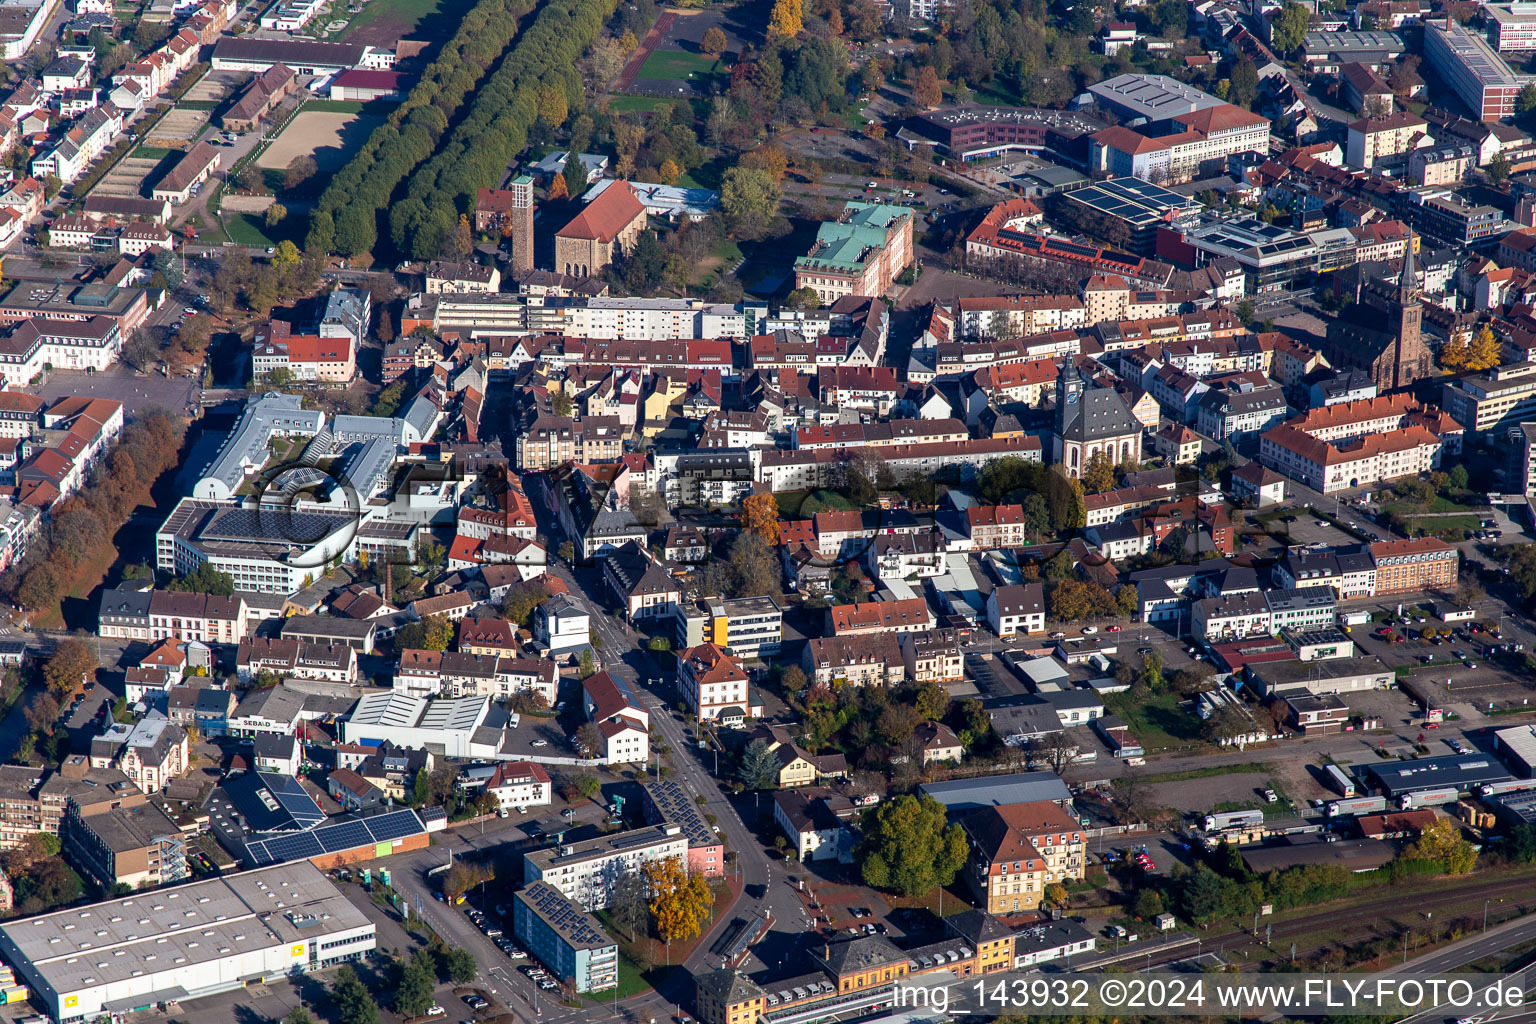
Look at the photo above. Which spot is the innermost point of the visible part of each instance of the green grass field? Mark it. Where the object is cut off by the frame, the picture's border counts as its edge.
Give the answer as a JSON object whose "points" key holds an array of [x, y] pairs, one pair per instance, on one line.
{"points": [[408, 13], [644, 104], [251, 231], [677, 65], [1158, 722], [152, 153]]}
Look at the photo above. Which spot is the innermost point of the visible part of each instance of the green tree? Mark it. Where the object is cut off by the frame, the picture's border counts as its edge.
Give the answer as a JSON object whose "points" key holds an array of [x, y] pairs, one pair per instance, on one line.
{"points": [[575, 175], [1498, 169], [1243, 83], [759, 766], [1148, 904], [908, 847], [413, 996], [1289, 27], [286, 254], [931, 701], [298, 1015], [749, 199], [354, 1003], [462, 968], [274, 216], [1201, 895], [205, 579], [803, 298]]}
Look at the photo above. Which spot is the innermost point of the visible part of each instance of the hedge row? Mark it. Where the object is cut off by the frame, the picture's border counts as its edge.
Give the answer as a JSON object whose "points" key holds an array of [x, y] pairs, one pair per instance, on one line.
{"points": [[346, 214], [494, 131]]}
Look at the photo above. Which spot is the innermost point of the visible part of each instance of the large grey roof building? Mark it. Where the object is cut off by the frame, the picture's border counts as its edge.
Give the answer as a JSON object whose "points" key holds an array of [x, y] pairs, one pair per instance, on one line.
{"points": [[245, 449], [962, 795], [191, 940]]}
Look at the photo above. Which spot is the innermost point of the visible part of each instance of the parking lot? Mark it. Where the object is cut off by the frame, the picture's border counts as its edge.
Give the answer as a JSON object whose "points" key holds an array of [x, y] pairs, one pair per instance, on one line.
{"points": [[121, 384], [1300, 527]]}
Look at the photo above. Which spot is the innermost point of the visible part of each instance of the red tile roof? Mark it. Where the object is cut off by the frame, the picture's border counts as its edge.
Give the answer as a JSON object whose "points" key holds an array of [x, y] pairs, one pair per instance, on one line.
{"points": [[615, 209]]}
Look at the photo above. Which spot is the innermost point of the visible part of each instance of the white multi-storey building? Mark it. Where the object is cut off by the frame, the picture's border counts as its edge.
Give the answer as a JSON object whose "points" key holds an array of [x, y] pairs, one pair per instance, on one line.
{"points": [[585, 872]]}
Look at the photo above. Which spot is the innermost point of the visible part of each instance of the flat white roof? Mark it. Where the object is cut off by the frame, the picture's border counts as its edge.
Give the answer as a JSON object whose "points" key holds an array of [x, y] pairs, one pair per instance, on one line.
{"points": [[168, 929]]}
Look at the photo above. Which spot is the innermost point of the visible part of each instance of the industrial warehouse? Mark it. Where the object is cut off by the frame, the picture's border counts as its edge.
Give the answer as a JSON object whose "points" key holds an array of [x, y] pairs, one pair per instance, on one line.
{"points": [[184, 942]]}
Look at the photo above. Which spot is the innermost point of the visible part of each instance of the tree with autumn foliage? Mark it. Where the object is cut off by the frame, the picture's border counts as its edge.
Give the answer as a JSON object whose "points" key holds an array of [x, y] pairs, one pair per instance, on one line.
{"points": [[1454, 353], [72, 665], [766, 158], [760, 515], [557, 189], [1485, 351], [787, 18], [551, 105], [714, 41], [680, 901], [927, 92], [1099, 473]]}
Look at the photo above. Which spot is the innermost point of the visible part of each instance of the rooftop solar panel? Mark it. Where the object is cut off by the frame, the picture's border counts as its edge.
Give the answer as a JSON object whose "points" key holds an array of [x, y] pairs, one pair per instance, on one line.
{"points": [[279, 849], [345, 835], [395, 825]]}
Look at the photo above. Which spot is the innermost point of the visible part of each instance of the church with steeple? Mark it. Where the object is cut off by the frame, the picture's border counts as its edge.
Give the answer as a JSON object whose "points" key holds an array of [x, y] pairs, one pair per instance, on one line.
{"points": [[1380, 329], [1090, 420]]}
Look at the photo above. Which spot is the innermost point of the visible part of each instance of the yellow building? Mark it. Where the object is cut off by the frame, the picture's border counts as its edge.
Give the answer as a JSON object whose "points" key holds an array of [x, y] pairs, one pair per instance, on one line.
{"points": [[871, 961], [727, 997], [1018, 850]]}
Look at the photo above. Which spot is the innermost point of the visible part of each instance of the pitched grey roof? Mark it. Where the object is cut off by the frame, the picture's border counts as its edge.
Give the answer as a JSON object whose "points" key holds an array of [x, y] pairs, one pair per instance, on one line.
{"points": [[1099, 413]]}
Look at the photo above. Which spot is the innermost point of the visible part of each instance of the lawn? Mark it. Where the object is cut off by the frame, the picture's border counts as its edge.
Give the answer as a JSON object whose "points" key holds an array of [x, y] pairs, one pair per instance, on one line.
{"points": [[407, 13], [808, 503], [152, 153], [644, 104], [1439, 503], [1157, 722], [245, 229], [1206, 773], [631, 981], [676, 65], [1436, 525]]}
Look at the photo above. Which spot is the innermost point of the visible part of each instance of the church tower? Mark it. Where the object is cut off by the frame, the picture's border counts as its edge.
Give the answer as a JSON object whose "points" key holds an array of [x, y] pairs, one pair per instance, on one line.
{"points": [[1069, 391], [1411, 356]]}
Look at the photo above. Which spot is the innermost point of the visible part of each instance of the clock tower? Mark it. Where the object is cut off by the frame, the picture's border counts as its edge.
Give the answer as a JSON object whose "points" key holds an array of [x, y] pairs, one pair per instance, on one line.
{"points": [[1069, 391]]}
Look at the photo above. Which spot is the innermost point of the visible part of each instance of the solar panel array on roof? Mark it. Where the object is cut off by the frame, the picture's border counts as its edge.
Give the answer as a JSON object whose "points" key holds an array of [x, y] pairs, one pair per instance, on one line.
{"points": [[561, 913], [395, 825], [640, 838], [281, 525], [336, 837], [293, 799]]}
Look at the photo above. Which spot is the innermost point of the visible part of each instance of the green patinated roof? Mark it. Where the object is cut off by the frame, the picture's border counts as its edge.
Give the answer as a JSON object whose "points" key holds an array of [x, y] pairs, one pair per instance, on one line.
{"points": [[842, 244]]}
